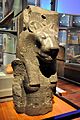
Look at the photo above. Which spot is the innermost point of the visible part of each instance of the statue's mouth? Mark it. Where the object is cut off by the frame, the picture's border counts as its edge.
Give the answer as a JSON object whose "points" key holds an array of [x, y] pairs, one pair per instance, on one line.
{"points": [[45, 57], [48, 55]]}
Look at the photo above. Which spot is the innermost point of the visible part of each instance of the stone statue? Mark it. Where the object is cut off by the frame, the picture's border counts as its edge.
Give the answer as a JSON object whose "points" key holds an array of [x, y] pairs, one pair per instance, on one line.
{"points": [[35, 75]]}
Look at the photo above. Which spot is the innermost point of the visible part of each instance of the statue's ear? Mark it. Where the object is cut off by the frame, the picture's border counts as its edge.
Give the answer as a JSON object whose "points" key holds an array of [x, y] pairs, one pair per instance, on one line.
{"points": [[34, 26]]}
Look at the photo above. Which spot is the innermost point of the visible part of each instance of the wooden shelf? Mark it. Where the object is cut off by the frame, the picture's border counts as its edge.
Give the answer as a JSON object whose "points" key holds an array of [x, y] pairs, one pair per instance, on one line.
{"points": [[73, 66], [69, 28], [59, 107], [7, 20], [14, 32], [72, 72], [63, 28]]}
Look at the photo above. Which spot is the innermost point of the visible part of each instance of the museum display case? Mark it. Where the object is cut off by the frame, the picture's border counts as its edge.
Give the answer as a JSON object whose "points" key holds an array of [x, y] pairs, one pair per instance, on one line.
{"points": [[76, 21], [1, 10], [65, 20], [62, 37], [7, 49], [72, 55], [69, 38]]}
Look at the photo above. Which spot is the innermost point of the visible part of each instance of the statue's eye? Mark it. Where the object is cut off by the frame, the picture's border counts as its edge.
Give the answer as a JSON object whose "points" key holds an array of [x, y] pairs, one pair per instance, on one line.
{"points": [[38, 44], [43, 37]]}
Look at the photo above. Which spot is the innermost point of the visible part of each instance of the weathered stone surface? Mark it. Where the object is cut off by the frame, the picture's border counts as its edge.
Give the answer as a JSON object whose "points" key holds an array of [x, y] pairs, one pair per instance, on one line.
{"points": [[35, 74]]}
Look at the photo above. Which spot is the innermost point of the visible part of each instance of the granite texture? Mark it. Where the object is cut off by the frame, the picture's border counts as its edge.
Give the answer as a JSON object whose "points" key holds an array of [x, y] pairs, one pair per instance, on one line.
{"points": [[35, 75]]}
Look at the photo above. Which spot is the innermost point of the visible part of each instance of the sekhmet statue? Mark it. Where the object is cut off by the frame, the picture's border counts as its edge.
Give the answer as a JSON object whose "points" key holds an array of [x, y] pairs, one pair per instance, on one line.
{"points": [[35, 75]]}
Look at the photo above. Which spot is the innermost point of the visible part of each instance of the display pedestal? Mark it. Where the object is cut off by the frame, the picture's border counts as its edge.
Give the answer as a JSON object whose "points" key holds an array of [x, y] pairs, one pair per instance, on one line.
{"points": [[5, 86], [59, 107]]}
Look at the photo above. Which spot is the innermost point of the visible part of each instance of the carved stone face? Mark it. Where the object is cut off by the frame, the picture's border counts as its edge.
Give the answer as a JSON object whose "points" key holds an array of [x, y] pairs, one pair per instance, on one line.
{"points": [[47, 40]]}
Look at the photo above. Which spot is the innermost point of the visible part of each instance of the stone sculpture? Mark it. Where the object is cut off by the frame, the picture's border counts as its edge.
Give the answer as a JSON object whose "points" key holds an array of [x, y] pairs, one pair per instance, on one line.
{"points": [[35, 75]]}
